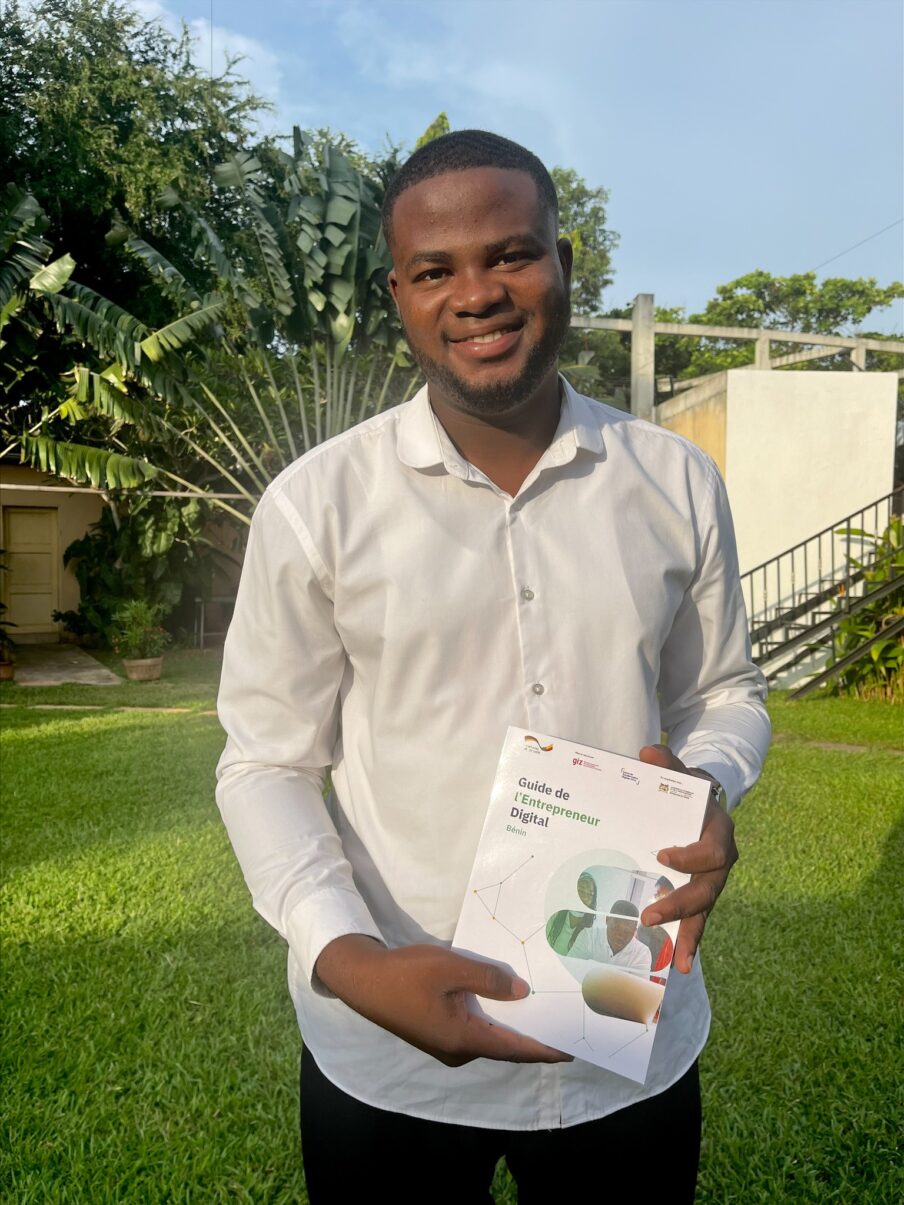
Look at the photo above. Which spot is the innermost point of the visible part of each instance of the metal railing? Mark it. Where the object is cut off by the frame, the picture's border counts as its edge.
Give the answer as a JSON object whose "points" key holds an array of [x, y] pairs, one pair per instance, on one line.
{"points": [[793, 597]]}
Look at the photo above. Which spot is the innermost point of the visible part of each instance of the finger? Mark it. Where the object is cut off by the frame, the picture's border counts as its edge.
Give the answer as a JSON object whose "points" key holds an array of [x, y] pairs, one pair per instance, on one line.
{"points": [[689, 934], [485, 979], [715, 849], [700, 857], [490, 1041], [694, 897], [660, 755]]}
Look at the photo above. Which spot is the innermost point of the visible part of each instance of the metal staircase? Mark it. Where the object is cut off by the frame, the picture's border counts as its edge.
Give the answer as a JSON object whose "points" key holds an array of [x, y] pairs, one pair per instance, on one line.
{"points": [[797, 600]]}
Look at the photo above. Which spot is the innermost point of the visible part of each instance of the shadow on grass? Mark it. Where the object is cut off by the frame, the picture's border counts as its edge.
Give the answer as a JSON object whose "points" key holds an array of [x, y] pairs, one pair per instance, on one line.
{"points": [[145, 1072]]}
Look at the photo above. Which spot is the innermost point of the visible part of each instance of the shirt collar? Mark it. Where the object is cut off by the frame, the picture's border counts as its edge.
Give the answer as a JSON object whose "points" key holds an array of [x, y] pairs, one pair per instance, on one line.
{"points": [[421, 443]]}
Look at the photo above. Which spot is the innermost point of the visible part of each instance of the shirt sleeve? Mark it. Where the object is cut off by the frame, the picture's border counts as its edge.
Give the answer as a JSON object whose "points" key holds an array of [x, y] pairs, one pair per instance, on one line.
{"points": [[712, 696], [283, 666]]}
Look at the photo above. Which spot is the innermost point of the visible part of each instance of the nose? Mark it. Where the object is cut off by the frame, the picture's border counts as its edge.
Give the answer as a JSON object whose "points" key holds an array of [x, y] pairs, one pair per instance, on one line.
{"points": [[478, 291]]}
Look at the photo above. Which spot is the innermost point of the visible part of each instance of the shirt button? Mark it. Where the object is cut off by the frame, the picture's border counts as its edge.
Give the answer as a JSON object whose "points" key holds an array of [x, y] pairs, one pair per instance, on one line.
{"points": [[538, 688], [527, 594]]}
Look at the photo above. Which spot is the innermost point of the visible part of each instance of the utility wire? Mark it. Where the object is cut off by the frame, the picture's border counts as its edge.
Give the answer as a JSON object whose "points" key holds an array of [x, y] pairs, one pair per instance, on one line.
{"points": [[868, 239]]}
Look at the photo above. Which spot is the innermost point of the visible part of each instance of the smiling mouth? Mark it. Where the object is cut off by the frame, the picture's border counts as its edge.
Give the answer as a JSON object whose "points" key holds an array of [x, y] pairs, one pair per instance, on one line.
{"points": [[490, 337]]}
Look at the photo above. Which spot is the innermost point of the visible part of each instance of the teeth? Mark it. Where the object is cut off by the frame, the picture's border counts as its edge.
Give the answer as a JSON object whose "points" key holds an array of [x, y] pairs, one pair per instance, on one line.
{"points": [[491, 338]]}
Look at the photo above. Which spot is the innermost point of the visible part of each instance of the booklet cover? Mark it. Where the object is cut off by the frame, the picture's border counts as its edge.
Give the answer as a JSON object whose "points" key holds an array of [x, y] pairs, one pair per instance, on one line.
{"points": [[565, 865]]}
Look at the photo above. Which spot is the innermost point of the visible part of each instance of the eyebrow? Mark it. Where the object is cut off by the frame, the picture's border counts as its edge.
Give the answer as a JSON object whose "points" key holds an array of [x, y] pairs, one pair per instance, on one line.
{"points": [[528, 240]]}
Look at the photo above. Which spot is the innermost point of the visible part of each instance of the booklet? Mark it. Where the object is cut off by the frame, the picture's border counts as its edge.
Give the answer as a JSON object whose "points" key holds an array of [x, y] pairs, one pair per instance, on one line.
{"points": [[565, 865]]}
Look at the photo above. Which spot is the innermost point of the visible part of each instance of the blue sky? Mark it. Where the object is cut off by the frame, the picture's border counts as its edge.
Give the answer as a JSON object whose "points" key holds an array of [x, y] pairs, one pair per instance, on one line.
{"points": [[731, 134]]}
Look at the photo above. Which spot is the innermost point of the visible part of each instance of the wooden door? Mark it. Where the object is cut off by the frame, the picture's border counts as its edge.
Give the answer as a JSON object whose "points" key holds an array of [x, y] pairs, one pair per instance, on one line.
{"points": [[31, 585]]}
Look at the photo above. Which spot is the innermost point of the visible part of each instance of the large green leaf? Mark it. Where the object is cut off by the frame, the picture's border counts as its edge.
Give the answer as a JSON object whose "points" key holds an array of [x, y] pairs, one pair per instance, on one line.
{"points": [[105, 327], [239, 171], [77, 462], [175, 335], [340, 211], [108, 396], [52, 277], [171, 281]]}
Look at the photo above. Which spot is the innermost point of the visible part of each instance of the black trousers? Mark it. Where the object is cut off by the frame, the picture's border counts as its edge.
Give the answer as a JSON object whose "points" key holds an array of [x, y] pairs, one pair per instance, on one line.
{"points": [[354, 1152]]}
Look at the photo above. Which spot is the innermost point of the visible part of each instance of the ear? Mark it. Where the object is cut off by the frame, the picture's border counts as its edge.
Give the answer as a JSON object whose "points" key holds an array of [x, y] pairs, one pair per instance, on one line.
{"points": [[566, 259], [393, 280]]}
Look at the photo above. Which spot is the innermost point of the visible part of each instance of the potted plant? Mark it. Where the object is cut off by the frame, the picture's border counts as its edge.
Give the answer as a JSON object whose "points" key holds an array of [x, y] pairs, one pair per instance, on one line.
{"points": [[136, 635]]}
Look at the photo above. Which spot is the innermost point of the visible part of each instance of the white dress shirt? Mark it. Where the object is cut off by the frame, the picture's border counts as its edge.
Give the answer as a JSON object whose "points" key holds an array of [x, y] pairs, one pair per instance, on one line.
{"points": [[633, 956], [397, 611]]}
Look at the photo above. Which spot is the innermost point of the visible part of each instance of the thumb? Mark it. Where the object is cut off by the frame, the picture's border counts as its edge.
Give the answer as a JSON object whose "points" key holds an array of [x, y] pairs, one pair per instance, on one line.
{"points": [[660, 755], [489, 980]]}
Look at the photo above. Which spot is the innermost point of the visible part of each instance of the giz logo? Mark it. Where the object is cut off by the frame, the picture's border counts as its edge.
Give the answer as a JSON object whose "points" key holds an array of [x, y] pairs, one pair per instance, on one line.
{"points": [[579, 761]]}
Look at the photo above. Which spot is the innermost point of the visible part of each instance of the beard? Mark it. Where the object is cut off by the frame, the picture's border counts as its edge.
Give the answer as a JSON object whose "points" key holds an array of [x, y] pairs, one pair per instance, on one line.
{"points": [[499, 397]]}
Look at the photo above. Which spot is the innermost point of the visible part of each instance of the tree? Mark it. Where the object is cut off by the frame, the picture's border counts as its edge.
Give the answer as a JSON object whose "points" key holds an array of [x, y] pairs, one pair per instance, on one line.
{"points": [[299, 341], [582, 219], [100, 111], [439, 126], [795, 303]]}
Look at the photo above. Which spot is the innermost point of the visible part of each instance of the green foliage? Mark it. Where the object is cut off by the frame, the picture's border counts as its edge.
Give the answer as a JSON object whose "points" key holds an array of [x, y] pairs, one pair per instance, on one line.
{"points": [[582, 219], [100, 111], [146, 548], [439, 126], [880, 673], [794, 303], [299, 341], [135, 630]]}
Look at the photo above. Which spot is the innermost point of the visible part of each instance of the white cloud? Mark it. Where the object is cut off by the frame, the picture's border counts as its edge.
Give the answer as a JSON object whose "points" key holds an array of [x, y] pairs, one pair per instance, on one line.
{"points": [[259, 64]]}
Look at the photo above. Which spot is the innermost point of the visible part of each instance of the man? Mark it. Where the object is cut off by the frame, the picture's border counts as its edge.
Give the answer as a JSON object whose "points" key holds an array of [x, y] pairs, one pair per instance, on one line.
{"points": [[498, 551], [620, 947]]}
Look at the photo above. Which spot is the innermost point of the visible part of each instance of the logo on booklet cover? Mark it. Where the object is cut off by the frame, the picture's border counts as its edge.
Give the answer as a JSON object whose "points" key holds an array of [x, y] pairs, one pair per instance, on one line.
{"points": [[530, 741]]}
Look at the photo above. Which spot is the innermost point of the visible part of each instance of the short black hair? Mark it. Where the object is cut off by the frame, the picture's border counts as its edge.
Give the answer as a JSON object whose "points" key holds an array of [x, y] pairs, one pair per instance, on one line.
{"points": [[624, 908], [459, 151]]}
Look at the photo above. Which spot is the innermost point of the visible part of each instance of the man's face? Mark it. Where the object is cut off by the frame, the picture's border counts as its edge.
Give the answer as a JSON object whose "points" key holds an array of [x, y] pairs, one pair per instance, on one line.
{"points": [[620, 930], [482, 287]]}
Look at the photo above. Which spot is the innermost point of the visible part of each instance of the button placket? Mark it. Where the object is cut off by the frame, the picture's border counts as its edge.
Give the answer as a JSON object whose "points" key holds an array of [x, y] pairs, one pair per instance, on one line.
{"points": [[530, 612]]}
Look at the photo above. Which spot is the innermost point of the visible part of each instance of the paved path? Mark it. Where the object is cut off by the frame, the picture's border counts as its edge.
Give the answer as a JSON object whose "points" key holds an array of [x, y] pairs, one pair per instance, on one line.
{"points": [[53, 664]]}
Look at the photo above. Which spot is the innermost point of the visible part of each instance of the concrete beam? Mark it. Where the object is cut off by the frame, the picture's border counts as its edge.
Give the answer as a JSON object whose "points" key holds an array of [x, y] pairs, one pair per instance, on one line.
{"points": [[699, 331]]}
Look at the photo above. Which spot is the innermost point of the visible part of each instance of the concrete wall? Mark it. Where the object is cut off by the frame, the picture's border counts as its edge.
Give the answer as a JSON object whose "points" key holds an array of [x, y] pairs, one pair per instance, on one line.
{"points": [[699, 415], [802, 450], [799, 451], [75, 512]]}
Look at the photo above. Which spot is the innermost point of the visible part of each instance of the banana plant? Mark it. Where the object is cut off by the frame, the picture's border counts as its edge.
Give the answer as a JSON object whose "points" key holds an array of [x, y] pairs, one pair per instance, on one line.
{"points": [[298, 340]]}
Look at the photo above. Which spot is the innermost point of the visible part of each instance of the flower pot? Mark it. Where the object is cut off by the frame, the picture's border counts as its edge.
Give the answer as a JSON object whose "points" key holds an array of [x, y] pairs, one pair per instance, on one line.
{"points": [[145, 669], [7, 671]]}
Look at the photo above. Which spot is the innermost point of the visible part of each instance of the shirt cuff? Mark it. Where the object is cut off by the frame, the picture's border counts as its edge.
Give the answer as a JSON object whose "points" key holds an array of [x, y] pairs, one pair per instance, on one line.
{"points": [[320, 919], [725, 774]]}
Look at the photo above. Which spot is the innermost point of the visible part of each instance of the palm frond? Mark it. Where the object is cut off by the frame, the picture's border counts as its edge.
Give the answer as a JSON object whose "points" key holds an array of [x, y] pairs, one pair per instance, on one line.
{"points": [[108, 329], [168, 277], [77, 462], [176, 334]]}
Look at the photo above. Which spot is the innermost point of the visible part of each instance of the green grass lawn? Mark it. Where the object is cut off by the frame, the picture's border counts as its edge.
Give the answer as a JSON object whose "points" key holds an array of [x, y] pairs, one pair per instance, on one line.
{"points": [[189, 680], [150, 1050]]}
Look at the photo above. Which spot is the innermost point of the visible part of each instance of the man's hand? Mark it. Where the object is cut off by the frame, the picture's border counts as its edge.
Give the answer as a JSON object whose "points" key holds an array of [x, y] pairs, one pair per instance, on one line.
{"points": [[708, 861], [419, 994]]}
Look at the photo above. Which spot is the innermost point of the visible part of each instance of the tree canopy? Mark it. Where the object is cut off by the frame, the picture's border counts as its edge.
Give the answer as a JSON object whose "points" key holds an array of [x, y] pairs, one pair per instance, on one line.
{"points": [[836, 306], [582, 219], [100, 112]]}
